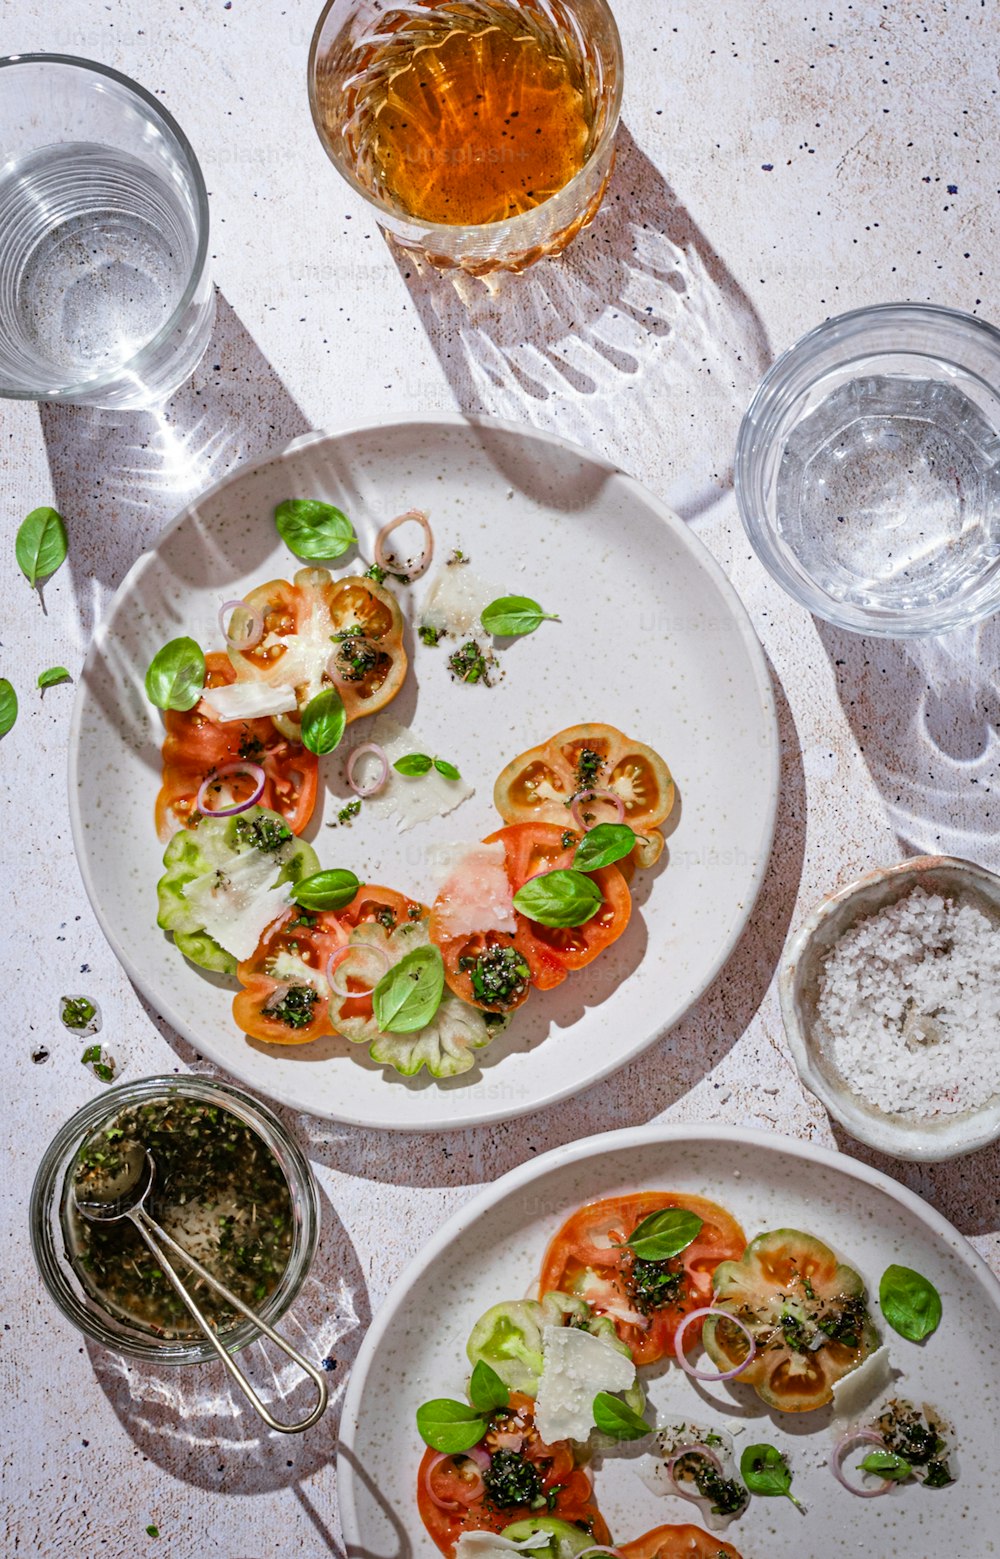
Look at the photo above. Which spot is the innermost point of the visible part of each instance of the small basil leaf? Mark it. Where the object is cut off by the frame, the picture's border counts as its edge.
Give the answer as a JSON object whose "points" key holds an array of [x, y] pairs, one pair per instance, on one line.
{"points": [[765, 1471], [413, 763], [176, 675], [53, 676], [330, 889], [910, 1304], [616, 1418], [451, 1427], [887, 1464], [313, 530], [512, 615], [8, 706], [324, 721], [41, 544], [447, 769], [486, 1390], [665, 1234], [603, 845], [408, 995], [559, 898]]}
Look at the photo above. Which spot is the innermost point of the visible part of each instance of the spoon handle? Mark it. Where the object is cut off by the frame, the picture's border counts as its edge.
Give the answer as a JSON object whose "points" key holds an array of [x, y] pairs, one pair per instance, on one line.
{"points": [[156, 1238]]}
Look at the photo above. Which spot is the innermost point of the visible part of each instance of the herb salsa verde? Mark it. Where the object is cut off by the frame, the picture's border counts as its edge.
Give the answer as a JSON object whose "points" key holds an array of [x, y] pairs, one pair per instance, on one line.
{"points": [[218, 1190]]}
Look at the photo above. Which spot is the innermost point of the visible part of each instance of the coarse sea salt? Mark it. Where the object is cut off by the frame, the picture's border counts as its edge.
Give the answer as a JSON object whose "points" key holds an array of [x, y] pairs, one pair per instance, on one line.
{"points": [[908, 1008]]}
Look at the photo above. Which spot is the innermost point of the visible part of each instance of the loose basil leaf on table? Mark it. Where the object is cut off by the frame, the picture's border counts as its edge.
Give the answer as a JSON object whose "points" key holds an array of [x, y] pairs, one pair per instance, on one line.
{"points": [[603, 845], [512, 615], [486, 1390], [887, 1465], [664, 1234], [448, 1426], [53, 676], [8, 706], [448, 770], [40, 545], [176, 675], [333, 888], [910, 1304], [324, 721], [313, 530], [764, 1470], [413, 763], [617, 1419], [559, 898], [409, 994]]}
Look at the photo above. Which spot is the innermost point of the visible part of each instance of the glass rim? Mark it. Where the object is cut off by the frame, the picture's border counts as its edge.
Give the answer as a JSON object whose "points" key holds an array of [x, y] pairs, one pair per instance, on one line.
{"points": [[131, 365], [441, 229]]}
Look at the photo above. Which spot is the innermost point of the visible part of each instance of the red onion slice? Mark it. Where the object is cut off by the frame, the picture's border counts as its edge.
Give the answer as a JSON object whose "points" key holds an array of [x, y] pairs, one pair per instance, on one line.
{"points": [[255, 625], [336, 958], [847, 1443], [373, 787], [476, 1486], [610, 796], [257, 775], [480, 1456], [695, 1449], [412, 572], [689, 1369]]}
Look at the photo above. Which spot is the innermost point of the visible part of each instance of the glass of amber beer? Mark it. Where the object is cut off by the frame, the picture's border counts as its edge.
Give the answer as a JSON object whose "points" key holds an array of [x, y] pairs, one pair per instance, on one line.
{"points": [[481, 132]]}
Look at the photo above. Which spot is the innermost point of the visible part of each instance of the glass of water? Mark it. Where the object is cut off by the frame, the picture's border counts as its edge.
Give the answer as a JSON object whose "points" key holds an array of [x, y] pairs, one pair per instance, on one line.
{"points": [[105, 297]]}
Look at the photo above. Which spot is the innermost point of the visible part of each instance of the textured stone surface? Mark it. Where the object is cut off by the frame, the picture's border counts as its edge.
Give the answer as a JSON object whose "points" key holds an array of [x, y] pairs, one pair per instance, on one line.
{"points": [[778, 164]]}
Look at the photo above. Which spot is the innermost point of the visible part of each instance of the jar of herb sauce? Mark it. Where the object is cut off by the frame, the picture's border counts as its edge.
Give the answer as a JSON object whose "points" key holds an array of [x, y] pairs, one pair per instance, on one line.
{"points": [[231, 1186]]}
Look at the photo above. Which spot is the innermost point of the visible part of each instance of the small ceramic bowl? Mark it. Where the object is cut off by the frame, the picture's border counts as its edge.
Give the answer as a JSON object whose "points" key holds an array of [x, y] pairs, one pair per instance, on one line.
{"points": [[910, 1137]]}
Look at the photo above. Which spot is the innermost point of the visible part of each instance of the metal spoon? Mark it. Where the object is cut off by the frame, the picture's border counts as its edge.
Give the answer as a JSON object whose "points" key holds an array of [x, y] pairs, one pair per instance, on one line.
{"points": [[107, 1198]]}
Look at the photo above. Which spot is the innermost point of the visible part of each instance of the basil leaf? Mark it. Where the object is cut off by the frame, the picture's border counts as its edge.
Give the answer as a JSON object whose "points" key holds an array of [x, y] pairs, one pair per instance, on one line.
{"points": [[665, 1234], [53, 676], [559, 898], [449, 1426], [324, 721], [512, 615], [447, 769], [486, 1390], [330, 889], [603, 845], [8, 706], [887, 1464], [910, 1304], [176, 675], [40, 545], [616, 1418], [765, 1471], [313, 530], [413, 763], [409, 994]]}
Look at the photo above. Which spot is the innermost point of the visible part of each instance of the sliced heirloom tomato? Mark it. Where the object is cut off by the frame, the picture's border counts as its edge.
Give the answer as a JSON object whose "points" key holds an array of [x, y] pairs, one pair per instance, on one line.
{"points": [[286, 995], [198, 742], [538, 785], [321, 632], [807, 1313], [565, 1489], [677, 1542], [647, 1300]]}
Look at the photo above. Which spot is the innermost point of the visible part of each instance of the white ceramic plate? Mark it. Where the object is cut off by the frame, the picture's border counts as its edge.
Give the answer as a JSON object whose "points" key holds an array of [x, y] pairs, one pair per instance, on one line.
{"points": [[492, 1249], [652, 640]]}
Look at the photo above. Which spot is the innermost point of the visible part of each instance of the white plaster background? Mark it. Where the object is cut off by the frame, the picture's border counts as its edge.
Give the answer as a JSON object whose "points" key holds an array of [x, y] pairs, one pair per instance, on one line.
{"points": [[780, 162]]}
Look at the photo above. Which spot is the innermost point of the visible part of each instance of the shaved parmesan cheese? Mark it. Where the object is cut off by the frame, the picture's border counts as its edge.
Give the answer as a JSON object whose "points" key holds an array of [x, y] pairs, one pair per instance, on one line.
{"points": [[409, 800], [856, 1392], [456, 599], [476, 895], [249, 700], [237, 905], [577, 1366]]}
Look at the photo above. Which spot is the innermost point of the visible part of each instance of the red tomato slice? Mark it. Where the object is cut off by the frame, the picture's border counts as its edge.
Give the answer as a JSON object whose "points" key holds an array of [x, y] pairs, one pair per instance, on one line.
{"points": [[586, 1257], [540, 847], [196, 744], [677, 1542]]}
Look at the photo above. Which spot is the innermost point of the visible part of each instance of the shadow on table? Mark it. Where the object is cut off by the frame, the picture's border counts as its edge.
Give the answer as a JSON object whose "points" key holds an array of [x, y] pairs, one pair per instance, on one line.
{"points": [[118, 476], [638, 337], [926, 715], [964, 1190]]}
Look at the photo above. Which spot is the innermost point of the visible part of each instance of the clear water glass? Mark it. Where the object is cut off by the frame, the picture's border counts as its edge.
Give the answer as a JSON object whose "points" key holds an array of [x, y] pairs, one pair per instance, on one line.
{"points": [[868, 470], [105, 297]]}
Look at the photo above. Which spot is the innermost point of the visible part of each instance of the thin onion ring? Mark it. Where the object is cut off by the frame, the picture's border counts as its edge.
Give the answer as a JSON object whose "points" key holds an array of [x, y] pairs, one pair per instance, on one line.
{"points": [[846, 1443], [253, 769], [337, 957], [697, 1448], [710, 1375], [256, 625], [477, 1487], [480, 1455], [426, 556], [610, 796], [383, 774]]}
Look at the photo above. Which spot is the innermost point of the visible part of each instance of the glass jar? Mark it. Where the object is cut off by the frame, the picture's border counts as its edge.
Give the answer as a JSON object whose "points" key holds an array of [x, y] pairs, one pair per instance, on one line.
{"points": [[51, 1187]]}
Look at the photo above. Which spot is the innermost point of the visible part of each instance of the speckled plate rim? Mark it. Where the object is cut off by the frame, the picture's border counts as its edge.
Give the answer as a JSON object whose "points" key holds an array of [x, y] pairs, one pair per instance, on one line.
{"points": [[605, 1145], [756, 663]]}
